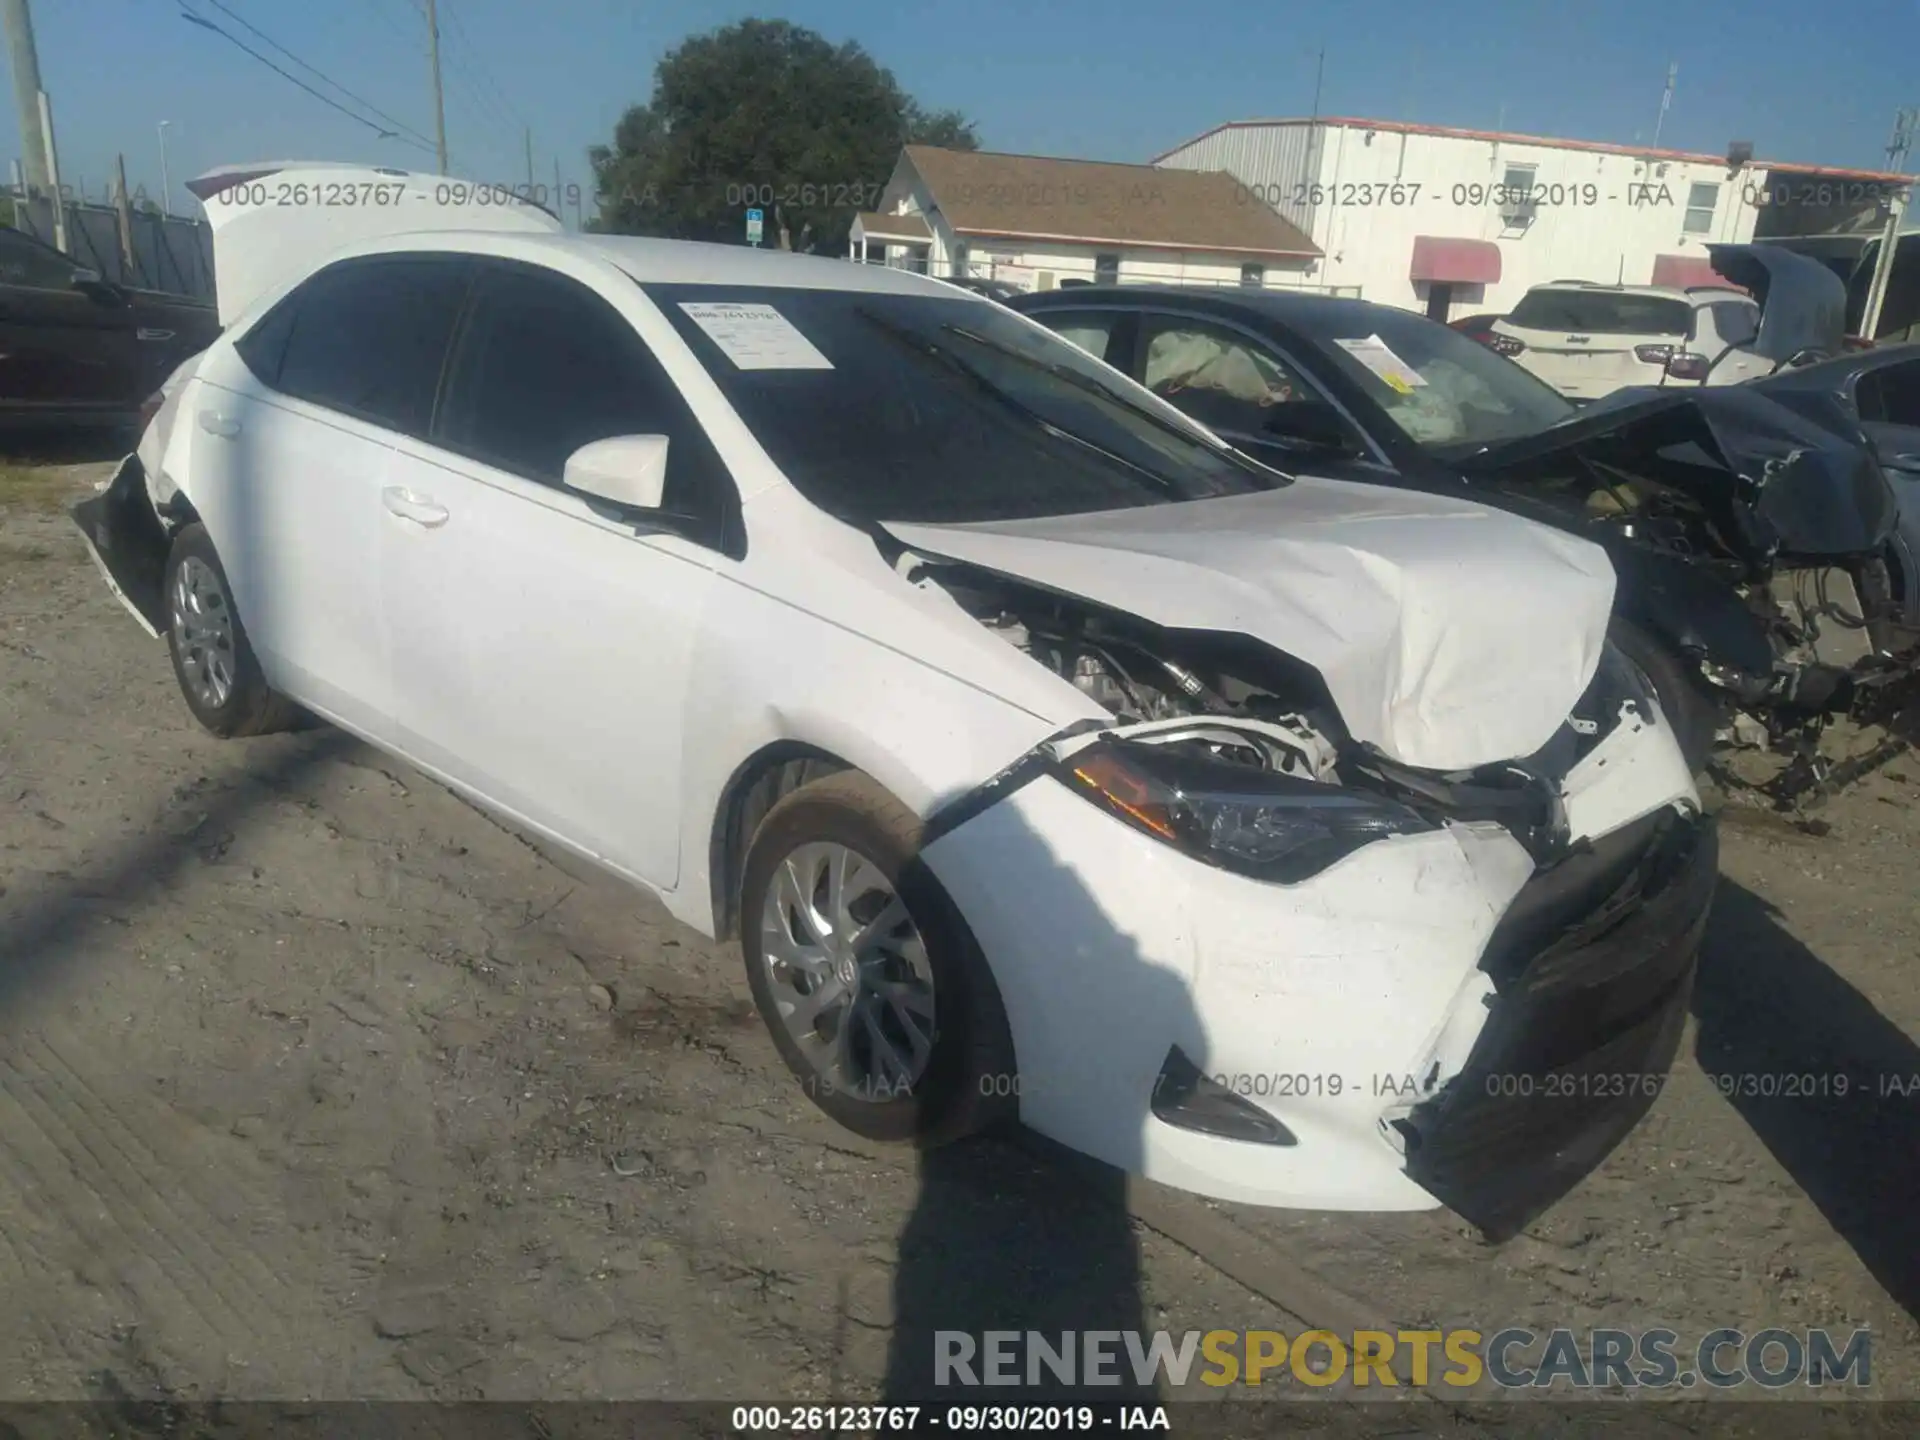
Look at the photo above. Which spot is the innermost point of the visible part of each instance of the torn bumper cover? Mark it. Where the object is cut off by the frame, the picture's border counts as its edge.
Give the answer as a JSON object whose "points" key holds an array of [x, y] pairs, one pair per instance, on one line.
{"points": [[1593, 967]]}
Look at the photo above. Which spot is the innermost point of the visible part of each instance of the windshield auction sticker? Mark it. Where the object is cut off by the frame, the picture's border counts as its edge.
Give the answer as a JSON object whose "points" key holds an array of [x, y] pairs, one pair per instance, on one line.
{"points": [[1378, 356], [757, 337]]}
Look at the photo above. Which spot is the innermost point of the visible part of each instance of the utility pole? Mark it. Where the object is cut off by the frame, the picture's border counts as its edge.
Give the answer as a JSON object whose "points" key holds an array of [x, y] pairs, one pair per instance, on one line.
{"points": [[123, 217], [1897, 148], [166, 183], [530, 164], [34, 141], [439, 100], [1319, 74], [54, 192], [1666, 102]]}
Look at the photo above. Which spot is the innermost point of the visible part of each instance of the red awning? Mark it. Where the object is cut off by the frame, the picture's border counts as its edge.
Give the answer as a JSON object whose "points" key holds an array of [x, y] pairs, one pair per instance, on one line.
{"points": [[1681, 271], [1457, 262]]}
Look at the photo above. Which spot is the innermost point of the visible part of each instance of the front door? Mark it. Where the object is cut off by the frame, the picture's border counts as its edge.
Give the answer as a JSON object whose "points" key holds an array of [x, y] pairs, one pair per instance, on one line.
{"points": [[62, 349], [542, 649]]}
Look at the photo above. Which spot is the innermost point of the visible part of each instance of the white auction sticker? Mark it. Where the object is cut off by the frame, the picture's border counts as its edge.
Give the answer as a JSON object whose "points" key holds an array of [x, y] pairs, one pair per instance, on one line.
{"points": [[1378, 356], [757, 337]]}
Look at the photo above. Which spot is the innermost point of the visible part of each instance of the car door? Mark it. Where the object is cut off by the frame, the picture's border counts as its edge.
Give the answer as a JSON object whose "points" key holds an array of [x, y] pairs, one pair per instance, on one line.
{"points": [[290, 456], [64, 348], [1239, 386], [542, 647]]}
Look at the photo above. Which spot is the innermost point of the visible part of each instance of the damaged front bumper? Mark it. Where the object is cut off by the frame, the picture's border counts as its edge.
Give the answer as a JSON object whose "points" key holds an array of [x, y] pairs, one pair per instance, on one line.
{"points": [[1593, 966], [1327, 1043]]}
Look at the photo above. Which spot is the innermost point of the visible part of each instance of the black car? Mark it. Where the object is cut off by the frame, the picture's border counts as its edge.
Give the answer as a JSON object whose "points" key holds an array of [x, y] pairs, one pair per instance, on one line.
{"points": [[1751, 541], [78, 350]]}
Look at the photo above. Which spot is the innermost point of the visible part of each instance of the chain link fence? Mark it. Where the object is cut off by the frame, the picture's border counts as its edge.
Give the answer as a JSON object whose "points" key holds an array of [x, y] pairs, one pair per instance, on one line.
{"points": [[169, 253]]}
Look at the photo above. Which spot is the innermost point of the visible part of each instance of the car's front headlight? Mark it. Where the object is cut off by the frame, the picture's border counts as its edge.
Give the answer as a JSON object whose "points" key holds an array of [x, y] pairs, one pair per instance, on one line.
{"points": [[1258, 823]]}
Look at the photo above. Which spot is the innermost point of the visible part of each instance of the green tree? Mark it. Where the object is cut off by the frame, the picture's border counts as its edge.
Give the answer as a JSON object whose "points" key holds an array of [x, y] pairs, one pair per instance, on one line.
{"points": [[768, 114]]}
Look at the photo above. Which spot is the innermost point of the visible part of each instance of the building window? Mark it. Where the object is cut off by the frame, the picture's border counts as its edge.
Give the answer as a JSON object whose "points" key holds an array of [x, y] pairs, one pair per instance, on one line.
{"points": [[1516, 194], [1106, 269], [1255, 275], [1702, 200]]}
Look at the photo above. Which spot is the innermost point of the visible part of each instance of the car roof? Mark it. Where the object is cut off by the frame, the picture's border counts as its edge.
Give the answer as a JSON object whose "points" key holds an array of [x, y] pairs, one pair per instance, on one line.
{"points": [[681, 262], [1281, 305], [1693, 294]]}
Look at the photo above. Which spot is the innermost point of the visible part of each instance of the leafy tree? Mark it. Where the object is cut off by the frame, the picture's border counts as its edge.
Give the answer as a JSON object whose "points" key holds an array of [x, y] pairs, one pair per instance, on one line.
{"points": [[762, 114]]}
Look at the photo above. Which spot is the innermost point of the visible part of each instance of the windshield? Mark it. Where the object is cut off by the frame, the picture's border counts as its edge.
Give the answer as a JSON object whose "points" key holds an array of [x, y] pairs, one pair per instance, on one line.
{"points": [[1444, 390], [933, 409]]}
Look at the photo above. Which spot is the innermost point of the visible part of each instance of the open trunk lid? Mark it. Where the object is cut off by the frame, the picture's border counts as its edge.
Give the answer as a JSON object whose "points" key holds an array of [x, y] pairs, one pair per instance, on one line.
{"points": [[1803, 304], [277, 221], [1448, 634]]}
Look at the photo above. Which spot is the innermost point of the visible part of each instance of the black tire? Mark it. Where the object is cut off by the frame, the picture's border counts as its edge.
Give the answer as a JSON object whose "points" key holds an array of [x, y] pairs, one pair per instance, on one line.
{"points": [[969, 1076], [1691, 708], [250, 707]]}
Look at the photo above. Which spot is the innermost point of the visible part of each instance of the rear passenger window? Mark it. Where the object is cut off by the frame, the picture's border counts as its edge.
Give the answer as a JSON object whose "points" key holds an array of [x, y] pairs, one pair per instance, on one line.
{"points": [[369, 338], [544, 366]]}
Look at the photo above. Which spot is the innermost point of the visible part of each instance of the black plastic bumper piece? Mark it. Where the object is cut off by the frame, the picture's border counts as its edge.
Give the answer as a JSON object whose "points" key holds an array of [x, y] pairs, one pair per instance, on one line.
{"points": [[1593, 967]]}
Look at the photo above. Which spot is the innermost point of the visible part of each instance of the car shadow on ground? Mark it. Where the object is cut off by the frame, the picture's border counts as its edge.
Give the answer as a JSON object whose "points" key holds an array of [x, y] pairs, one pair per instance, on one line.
{"points": [[1010, 1232], [1778, 1031]]}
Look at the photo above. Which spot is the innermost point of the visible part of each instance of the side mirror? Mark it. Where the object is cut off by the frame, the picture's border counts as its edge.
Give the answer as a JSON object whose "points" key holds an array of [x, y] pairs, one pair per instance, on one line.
{"points": [[627, 470], [1309, 422], [93, 283]]}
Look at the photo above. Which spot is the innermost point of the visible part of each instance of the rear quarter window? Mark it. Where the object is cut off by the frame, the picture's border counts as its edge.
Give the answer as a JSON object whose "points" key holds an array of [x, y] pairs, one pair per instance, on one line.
{"points": [[1592, 312]]}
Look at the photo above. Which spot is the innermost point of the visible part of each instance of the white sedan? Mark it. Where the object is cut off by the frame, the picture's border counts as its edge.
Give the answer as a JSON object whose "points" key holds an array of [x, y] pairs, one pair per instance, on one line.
{"points": [[1287, 840]]}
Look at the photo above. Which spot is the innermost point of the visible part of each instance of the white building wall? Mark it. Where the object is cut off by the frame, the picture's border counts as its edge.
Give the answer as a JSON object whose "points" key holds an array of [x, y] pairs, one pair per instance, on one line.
{"points": [[1601, 217]]}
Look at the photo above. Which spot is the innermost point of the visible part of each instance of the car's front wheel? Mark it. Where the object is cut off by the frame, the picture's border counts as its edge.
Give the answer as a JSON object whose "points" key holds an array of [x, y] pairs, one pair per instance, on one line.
{"points": [[873, 988], [212, 659]]}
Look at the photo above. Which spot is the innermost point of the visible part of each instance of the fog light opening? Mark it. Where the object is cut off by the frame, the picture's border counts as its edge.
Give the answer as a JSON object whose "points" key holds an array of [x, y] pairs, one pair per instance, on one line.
{"points": [[1184, 1097]]}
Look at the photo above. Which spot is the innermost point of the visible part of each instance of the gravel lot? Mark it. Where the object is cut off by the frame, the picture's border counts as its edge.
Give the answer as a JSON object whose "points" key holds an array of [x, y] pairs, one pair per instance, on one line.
{"points": [[315, 1082]]}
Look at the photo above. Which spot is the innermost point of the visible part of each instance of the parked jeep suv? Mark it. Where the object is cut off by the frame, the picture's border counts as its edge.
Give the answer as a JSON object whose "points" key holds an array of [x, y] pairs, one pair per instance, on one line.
{"points": [[1588, 340]]}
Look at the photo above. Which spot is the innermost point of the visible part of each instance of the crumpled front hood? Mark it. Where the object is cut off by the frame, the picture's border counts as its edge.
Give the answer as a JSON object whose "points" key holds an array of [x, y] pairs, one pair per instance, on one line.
{"points": [[1448, 634], [1780, 480]]}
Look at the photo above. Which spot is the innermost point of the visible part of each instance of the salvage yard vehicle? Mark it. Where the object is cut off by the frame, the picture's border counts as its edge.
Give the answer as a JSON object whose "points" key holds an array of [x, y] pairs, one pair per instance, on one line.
{"points": [[76, 349], [1287, 840], [1763, 584]]}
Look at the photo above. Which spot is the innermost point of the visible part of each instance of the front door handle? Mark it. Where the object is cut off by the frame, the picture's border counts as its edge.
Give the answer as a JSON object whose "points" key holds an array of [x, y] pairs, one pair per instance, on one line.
{"points": [[215, 423], [420, 509]]}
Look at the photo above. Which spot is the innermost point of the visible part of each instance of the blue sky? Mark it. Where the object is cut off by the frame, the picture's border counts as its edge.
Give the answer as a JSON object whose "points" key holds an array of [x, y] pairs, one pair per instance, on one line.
{"points": [[1099, 79]]}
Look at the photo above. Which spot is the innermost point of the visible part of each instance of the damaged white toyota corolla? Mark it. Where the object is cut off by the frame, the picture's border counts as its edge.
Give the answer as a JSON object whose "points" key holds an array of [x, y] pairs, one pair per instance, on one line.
{"points": [[1289, 841]]}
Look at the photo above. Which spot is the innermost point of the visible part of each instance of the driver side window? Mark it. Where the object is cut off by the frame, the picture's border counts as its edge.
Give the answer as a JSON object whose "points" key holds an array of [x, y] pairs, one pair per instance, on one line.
{"points": [[26, 262], [1218, 376]]}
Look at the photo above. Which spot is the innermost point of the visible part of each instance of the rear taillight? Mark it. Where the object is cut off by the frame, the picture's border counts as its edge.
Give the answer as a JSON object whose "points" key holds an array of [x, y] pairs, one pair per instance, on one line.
{"points": [[1653, 354], [1503, 344], [149, 408], [1687, 366]]}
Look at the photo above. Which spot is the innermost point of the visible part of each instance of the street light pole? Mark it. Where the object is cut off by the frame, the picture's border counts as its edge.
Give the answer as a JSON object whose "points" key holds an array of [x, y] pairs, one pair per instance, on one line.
{"points": [[439, 103], [166, 184]]}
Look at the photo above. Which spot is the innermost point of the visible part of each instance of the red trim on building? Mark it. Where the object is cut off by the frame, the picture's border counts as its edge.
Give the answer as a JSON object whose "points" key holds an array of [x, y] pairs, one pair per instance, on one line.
{"points": [[1449, 260]]}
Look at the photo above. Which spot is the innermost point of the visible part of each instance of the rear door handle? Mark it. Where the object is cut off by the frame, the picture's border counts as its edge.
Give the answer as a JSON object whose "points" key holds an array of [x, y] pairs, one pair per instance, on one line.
{"points": [[215, 423], [420, 509]]}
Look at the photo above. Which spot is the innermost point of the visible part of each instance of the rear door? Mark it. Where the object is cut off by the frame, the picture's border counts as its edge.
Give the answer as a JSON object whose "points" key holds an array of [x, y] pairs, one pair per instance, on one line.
{"points": [[63, 351], [542, 648], [291, 456], [1583, 342]]}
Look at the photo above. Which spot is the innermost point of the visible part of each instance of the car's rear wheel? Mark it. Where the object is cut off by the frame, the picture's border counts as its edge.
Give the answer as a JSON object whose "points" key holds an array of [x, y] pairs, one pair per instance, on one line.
{"points": [[219, 677], [873, 988], [1691, 709]]}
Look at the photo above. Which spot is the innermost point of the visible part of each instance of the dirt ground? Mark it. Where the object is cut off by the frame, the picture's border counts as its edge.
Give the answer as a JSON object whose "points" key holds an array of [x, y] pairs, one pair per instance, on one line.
{"points": [[315, 1082]]}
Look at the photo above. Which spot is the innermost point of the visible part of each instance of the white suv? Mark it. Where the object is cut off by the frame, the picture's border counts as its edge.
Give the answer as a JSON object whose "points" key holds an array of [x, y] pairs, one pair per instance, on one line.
{"points": [[1588, 340]]}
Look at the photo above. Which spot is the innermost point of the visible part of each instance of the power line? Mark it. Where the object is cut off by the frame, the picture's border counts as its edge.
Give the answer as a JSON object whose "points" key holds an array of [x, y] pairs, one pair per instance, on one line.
{"points": [[401, 126], [327, 100], [479, 67]]}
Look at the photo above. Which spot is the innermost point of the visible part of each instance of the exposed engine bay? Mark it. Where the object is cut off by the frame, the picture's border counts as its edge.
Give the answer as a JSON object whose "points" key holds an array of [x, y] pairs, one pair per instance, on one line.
{"points": [[1230, 699]]}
